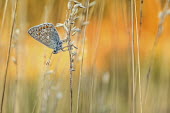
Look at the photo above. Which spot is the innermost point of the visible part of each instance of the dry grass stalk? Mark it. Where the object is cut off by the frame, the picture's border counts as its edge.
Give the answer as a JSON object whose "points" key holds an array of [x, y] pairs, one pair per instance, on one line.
{"points": [[138, 56], [3, 17], [96, 47], [162, 17], [71, 30], [141, 16], [84, 23], [8, 57], [15, 61], [133, 57]]}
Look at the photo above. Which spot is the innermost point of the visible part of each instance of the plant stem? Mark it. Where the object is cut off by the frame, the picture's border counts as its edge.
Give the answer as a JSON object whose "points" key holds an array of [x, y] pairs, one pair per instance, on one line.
{"points": [[8, 57], [3, 16], [138, 57], [82, 60], [133, 57], [71, 64], [71, 85], [153, 51]]}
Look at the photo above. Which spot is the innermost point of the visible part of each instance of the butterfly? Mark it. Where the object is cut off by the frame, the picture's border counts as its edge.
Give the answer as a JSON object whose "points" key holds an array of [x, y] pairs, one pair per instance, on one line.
{"points": [[47, 34]]}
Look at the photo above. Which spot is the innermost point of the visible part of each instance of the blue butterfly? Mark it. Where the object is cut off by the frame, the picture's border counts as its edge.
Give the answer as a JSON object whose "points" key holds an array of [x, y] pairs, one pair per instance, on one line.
{"points": [[47, 34]]}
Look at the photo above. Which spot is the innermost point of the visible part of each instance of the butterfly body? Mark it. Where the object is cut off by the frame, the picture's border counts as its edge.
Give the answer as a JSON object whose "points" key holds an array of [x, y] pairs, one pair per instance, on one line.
{"points": [[47, 34]]}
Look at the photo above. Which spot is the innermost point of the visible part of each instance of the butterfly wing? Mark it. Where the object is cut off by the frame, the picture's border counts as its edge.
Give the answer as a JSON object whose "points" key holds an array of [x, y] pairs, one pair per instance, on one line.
{"points": [[46, 34]]}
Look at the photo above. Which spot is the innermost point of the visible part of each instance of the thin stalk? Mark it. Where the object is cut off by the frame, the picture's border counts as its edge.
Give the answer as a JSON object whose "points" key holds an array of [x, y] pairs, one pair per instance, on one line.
{"points": [[129, 54], [3, 17], [16, 80], [71, 84], [71, 64], [82, 60], [153, 51], [8, 57], [73, 7], [101, 10], [138, 57], [141, 17], [133, 57]]}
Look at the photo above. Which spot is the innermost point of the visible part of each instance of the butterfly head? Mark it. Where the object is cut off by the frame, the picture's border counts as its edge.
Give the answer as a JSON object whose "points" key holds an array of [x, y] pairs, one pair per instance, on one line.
{"points": [[58, 47]]}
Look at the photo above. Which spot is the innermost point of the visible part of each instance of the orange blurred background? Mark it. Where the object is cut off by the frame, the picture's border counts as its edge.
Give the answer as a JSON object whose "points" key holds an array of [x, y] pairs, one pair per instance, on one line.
{"points": [[108, 46]]}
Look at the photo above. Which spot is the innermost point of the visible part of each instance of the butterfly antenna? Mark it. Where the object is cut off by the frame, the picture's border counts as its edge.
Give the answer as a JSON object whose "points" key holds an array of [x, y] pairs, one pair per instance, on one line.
{"points": [[49, 59], [51, 55]]}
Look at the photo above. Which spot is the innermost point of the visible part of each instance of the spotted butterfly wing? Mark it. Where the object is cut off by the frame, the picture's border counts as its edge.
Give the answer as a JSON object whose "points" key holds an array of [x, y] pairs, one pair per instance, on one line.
{"points": [[46, 34]]}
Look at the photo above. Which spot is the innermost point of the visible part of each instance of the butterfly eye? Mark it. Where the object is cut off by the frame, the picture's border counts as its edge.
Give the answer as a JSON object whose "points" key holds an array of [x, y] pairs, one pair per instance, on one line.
{"points": [[54, 52]]}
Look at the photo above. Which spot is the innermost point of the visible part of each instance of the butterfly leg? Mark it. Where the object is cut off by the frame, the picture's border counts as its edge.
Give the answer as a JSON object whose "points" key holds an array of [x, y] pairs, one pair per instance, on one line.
{"points": [[74, 46], [64, 48], [68, 47], [64, 40]]}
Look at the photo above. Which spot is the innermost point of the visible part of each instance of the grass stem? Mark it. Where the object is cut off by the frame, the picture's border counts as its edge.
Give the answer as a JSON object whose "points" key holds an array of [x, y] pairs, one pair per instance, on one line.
{"points": [[8, 58], [153, 51], [138, 56], [3, 16], [82, 59], [133, 57]]}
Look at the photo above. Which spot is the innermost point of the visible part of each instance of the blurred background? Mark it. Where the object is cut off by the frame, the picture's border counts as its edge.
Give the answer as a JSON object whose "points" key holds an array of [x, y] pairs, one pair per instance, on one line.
{"points": [[123, 69]]}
